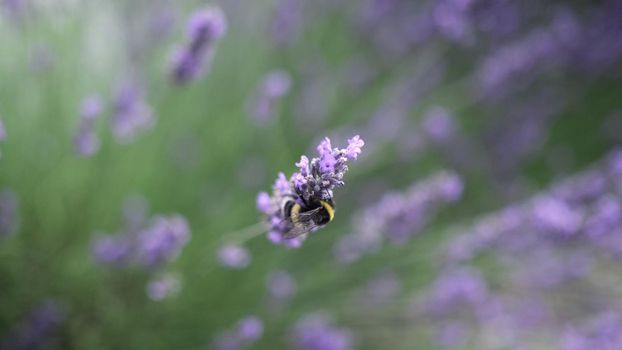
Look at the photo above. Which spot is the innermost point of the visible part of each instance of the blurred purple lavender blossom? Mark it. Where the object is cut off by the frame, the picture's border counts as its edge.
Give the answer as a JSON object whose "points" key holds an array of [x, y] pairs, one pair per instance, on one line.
{"points": [[316, 179], [582, 207], [439, 124], [521, 62], [234, 256], [113, 250], [151, 245], [132, 114], [14, 9], [162, 241], [281, 287], [161, 20], [568, 42], [454, 289], [398, 216], [163, 287], [36, 330], [250, 329], [204, 29], [602, 332], [9, 216], [317, 332], [453, 20], [287, 21], [263, 105], [247, 331], [381, 289], [85, 142]]}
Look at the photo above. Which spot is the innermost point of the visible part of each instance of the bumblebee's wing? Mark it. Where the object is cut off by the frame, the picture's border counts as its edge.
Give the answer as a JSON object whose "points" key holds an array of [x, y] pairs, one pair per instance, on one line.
{"points": [[296, 231], [304, 224]]}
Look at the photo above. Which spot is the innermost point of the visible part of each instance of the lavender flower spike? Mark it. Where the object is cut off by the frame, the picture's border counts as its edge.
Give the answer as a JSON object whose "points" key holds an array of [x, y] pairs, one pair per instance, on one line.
{"points": [[85, 141], [263, 105], [132, 114], [205, 27], [315, 180]]}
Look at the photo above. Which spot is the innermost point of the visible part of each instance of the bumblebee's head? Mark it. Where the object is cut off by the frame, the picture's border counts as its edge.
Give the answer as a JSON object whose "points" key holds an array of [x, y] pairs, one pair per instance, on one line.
{"points": [[327, 213]]}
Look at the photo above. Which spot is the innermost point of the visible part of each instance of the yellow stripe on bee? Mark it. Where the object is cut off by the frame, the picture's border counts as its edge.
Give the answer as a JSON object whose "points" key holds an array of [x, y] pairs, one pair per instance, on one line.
{"points": [[294, 212], [329, 209]]}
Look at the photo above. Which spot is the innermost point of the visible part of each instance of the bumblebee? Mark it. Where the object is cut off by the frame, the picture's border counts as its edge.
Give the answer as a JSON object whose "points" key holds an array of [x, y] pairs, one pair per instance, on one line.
{"points": [[304, 216]]}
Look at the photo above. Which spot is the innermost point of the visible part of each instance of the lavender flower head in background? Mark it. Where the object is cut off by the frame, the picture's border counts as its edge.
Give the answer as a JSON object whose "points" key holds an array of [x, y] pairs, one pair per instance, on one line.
{"points": [[263, 104], [234, 256], [314, 182], [85, 142], [132, 114], [316, 332], [163, 287], [151, 246], [247, 331], [37, 329], [205, 27], [398, 216], [163, 240], [281, 286]]}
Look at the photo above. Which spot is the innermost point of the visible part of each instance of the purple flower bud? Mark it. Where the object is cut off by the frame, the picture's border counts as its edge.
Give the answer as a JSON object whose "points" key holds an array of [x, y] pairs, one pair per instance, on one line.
{"points": [[327, 163], [303, 165], [234, 256], [264, 202], [281, 184], [324, 147], [354, 147]]}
